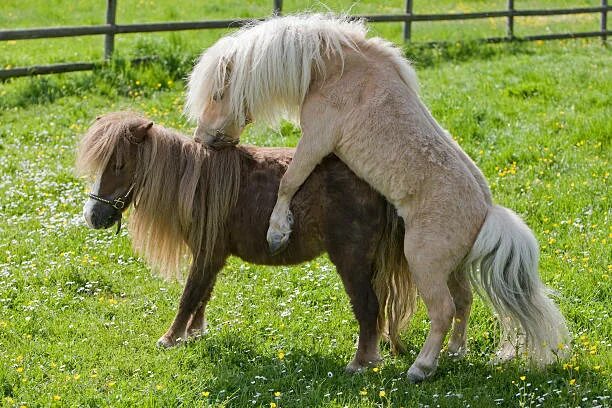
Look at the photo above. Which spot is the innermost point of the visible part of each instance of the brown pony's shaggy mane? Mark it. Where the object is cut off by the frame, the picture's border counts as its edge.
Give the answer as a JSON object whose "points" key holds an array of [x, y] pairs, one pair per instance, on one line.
{"points": [[183, 191]]}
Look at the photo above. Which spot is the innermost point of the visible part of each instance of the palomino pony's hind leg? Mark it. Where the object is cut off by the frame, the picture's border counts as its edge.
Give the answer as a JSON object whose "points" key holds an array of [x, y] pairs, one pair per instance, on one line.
{"points": [[431, 266], [461, 291], [195, 295], [317, 141]]}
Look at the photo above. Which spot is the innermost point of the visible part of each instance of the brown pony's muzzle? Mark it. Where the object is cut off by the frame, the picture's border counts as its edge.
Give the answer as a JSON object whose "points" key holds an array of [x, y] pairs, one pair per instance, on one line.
{"points": [[100, 215]]}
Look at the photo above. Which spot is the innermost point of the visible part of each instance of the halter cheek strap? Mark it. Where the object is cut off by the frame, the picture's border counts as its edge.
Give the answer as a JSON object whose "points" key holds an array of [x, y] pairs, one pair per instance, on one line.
{"points": [[118, 203]]}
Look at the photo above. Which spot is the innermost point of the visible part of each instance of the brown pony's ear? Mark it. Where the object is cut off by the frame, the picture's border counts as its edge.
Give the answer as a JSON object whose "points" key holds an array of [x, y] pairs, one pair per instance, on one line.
{"points": [[139, 133]]}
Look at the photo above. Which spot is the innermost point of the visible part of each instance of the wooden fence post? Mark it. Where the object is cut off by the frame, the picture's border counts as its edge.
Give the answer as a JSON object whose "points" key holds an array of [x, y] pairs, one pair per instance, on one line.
{"points": [[510, 30], [109, 39], [408, 21], [278, 7], [604, 21]]}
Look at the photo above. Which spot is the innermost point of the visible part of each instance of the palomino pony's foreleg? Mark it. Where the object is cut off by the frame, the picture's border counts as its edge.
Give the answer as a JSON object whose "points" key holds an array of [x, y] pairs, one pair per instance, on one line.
{"points": [[193, 301], [317, 141]]}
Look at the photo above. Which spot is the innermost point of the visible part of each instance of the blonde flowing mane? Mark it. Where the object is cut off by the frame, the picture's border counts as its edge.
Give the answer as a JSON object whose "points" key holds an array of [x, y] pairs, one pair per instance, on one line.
{"points": [[265, 68], [183, 192]]}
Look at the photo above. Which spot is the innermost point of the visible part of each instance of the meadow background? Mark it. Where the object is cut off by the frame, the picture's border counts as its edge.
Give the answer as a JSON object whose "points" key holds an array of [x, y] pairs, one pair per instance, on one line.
{"points": [[80, 312]]}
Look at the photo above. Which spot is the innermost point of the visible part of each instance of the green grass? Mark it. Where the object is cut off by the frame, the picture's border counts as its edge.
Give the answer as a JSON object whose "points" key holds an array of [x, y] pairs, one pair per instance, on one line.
{"points": [[80, 313]]}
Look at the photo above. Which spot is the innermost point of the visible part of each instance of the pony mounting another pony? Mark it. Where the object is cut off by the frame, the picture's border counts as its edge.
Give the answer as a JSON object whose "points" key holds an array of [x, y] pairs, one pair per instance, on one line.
{"points": [[399, 206]]}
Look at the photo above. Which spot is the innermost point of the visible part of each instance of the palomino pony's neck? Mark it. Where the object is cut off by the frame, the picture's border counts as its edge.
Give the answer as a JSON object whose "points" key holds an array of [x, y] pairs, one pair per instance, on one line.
{"points": [[183, 197]]}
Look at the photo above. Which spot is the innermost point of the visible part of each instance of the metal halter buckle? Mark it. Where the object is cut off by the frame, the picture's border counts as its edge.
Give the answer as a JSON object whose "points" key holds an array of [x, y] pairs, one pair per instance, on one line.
{"points": [[118, 203]]}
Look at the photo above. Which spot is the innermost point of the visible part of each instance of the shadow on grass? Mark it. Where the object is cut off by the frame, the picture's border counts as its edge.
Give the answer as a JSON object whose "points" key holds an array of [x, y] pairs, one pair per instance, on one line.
{"points": [[245, 377]]}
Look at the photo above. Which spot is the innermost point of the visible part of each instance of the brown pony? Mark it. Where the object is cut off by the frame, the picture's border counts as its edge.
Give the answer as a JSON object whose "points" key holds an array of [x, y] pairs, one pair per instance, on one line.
{"points": [[195, 203]]}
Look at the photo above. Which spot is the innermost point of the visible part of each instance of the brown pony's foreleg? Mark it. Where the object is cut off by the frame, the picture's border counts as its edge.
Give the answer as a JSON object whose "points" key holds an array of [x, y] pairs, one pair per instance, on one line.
{"points": [[459, 286], [193, 300], [197, 324], [317, 142]]}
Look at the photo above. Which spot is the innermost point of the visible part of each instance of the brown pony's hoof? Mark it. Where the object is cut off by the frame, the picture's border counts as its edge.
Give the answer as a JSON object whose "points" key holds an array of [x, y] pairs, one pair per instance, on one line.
{"points": [[356, 367], [166, 342]]}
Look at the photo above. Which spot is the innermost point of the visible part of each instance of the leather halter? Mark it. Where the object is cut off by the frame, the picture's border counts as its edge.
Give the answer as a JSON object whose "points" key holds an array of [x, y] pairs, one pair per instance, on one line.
{"points": [[118, 203]]}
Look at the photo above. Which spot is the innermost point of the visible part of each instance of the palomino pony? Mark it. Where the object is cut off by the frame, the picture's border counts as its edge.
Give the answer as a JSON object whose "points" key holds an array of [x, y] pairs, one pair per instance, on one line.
{"points": [[211, 204], [358, 97]]}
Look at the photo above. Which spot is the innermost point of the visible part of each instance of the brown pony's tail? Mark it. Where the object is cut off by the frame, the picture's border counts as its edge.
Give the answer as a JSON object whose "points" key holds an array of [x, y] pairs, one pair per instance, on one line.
{"points": [[393, 283]]}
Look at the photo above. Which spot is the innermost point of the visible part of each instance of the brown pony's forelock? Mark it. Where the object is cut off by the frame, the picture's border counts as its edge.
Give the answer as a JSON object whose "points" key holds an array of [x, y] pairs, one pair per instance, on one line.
{"points": [[106, 135], [183, 191]]}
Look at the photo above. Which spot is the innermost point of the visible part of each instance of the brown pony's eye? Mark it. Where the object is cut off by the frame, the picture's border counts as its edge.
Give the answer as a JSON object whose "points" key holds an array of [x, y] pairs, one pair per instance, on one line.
{"points": [[119, 167]]}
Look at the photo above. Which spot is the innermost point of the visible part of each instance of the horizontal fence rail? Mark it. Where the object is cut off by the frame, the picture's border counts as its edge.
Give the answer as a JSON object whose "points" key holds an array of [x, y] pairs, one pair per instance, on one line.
{"points": [[110, 29]]}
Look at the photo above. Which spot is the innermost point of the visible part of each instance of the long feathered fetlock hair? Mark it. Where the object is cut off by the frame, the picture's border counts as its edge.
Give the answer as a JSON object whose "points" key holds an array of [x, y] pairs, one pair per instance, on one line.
{"points": [[183, 191]]}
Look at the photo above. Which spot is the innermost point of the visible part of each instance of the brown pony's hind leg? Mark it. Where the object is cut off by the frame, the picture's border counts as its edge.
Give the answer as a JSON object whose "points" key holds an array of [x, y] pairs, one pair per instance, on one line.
{"points": [[460, 289], [356, 276], [193, 300]]}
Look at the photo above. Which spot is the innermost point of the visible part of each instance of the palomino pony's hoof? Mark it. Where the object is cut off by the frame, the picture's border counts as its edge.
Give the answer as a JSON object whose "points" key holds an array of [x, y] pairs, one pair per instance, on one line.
{"points": [[279, 239], [417, 375], [277, 242]]}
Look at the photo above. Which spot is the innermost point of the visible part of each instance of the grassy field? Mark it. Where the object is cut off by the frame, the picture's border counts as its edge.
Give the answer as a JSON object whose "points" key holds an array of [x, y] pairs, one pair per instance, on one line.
{"points": [[80, 312]]}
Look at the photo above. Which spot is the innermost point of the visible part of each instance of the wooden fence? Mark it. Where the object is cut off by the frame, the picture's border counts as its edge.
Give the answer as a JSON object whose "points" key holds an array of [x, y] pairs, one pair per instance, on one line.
{"points": [[111, 28]]}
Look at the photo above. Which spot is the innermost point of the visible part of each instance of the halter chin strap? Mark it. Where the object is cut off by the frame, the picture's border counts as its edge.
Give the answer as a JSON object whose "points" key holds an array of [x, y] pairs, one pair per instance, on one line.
{"points": [[118, 203]]}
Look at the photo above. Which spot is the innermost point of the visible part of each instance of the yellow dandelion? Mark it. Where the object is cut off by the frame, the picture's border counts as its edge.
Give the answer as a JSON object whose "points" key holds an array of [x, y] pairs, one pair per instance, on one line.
{"points": [[376, 369], [277, 394], [205, 393], [522, 377], [281, 355], [273, 405], [382, 394], [572, 381], [363, 392], [110, 384], [20, 369], [597, 367], [56, 398]]}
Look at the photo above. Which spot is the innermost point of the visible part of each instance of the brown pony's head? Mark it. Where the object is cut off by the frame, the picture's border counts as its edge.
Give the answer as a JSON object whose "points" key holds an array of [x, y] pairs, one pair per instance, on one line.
{"points": [[182, 192], [108, 153]]}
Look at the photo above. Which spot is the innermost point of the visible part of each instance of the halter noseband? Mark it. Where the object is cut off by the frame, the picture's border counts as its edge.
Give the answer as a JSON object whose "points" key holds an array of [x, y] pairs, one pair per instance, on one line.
{"points": [[118, 203]]}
